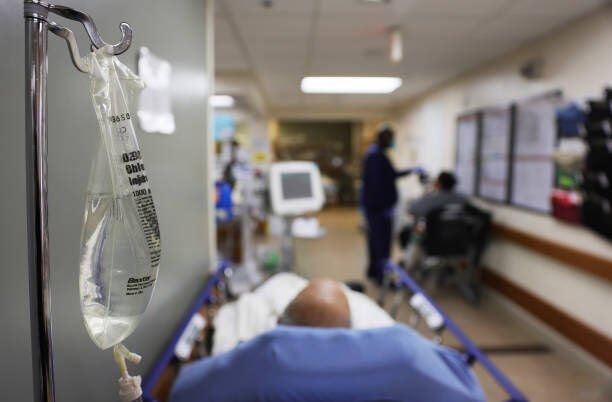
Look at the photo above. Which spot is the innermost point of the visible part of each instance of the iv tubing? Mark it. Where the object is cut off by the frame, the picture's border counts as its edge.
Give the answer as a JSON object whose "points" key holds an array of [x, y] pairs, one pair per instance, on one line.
{"points": [[129, 387]]}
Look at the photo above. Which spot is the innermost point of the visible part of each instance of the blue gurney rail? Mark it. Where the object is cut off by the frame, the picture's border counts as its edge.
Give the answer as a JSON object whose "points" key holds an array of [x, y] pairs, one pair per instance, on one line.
{"points": [[205, 297], [473, 354]]}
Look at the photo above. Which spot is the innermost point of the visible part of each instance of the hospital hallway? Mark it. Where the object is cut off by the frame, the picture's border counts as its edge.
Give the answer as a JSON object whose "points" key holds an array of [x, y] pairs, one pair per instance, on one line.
{"points": [[306, 201], [541, 364]]}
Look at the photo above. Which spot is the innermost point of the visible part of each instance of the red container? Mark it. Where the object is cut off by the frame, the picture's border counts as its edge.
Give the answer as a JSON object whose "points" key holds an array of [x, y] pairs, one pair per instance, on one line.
{"points": [[566, 205]]}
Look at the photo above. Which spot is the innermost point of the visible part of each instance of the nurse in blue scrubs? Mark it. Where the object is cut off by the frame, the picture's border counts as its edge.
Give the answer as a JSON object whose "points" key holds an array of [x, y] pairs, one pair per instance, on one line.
{"points": [[378, 198]]}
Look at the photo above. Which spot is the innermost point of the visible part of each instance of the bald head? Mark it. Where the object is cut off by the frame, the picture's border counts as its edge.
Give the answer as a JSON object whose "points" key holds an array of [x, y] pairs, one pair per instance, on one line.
{"points": [[320, 304]]}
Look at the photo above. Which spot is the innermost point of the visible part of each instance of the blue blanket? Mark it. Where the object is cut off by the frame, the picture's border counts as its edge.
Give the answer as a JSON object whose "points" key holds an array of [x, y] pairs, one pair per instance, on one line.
{"points": [[340, 365]]}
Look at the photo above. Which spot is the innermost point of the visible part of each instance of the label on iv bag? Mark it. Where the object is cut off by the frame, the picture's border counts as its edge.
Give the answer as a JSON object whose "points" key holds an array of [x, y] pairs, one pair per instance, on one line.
{"points": [[136, 286], [139, 182]]}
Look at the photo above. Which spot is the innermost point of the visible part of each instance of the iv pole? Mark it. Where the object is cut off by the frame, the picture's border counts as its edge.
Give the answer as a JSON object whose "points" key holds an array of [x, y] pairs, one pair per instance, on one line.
{"points": [[36, 26]]}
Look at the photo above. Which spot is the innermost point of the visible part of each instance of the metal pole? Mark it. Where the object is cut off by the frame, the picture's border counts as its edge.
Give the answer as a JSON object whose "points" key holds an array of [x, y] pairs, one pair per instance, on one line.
{"points": [[36, 172]]}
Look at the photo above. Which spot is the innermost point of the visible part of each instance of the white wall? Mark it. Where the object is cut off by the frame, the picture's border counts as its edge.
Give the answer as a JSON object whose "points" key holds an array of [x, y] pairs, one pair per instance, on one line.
{"points": [[578, 60]]}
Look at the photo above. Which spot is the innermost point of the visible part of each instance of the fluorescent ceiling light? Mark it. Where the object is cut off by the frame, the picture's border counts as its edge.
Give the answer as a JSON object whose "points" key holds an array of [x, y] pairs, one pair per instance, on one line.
{"points": [[222, 101], [350, 85]]}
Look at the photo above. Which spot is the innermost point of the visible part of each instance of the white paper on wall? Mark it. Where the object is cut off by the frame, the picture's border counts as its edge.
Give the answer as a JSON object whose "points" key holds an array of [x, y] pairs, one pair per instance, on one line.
{"points": [[465, 163], [495, 154], [154, 104], [532, 180]]}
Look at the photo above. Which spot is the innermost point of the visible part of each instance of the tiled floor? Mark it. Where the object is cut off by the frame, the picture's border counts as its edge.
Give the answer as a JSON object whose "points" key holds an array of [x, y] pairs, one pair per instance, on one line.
{"points": [[555, 375]]}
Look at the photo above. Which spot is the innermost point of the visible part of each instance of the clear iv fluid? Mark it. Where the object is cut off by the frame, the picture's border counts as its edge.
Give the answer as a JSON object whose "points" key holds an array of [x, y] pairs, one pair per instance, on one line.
{"points": [[120, 239], [116, 276]]}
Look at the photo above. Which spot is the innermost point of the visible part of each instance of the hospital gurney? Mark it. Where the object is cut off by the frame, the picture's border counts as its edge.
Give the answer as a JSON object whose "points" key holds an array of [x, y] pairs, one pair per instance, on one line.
{"points": [[211, 295], [438, 321]]}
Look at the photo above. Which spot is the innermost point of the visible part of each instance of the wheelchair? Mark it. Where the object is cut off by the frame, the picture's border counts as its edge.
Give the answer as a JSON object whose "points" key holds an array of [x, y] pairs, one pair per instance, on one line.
{"points": [[446, 247]]}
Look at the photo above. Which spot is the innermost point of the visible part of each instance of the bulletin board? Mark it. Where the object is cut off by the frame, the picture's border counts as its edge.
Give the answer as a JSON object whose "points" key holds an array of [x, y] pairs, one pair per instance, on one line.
{"points": [[494, 158], [533, 143], [467, 145], [505, 153]]}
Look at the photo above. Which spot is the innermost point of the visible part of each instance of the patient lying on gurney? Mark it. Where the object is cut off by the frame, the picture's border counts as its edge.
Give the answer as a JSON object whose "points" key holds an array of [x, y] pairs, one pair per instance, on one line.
{"points": [[315, 356], [321, 304], [260, 310]]}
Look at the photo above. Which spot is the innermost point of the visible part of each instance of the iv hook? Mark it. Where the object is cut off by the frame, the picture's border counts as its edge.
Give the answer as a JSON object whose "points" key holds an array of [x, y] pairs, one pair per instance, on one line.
{"points": [[92, 31], [38, 9], [68, 35]]}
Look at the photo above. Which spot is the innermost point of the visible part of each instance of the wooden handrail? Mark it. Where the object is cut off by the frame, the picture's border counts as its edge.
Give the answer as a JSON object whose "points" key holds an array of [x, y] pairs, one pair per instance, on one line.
{"points": [[575, 257], [593, 341]]}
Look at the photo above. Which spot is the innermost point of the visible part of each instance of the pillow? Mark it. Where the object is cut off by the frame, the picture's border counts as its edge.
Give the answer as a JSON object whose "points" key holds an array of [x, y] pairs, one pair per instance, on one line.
{"points": [[331, 365]]}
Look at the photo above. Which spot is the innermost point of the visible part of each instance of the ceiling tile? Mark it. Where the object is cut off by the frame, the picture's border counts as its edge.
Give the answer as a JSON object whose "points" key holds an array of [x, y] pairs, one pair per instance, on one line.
{"points": [[277, 81], [231, 64], [442, 39], [228, 54], [314, 100], [356, 8], [330, 26], [279, 8], [347, 46], [225, 48], [289, 67], [224, 31], [277, 49], [417, 83], [285, 27], [425, 27], [505, 27], [569, 8], [456, 7]]}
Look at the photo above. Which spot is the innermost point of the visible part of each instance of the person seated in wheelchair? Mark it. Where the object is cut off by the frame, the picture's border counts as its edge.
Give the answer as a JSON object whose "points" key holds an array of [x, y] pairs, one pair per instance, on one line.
{"points": [[448, 237], [442, 194]]}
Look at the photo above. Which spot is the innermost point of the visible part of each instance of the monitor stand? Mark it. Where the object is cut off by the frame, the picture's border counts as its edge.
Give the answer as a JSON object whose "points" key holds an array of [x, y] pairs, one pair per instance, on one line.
{"points": [[287, 245], [288, 242]]}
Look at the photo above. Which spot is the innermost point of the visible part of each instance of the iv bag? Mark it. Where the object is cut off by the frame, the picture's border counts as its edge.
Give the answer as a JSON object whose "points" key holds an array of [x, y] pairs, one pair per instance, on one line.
{"points": [[120, 239]]}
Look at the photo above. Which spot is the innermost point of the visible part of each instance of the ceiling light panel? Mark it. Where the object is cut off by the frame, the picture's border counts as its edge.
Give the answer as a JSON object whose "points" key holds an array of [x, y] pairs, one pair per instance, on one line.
{"points": [[350, 85]]}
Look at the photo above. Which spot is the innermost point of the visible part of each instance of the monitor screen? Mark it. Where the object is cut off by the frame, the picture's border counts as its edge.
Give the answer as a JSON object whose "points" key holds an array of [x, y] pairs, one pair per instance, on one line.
{"points": [[296, 185]]}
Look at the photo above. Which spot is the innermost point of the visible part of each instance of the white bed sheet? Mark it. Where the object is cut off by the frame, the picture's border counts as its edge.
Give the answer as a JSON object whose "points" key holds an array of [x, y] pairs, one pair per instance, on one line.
{"points": [[258, 311]]}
